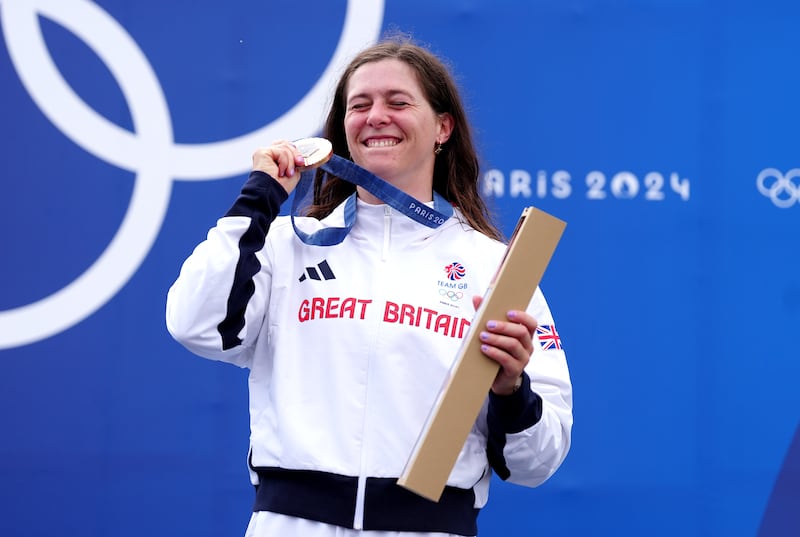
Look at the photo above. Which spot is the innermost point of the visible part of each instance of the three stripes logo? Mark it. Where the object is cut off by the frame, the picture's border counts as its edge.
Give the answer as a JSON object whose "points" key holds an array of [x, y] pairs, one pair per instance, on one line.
{"points": [[321, 272]]}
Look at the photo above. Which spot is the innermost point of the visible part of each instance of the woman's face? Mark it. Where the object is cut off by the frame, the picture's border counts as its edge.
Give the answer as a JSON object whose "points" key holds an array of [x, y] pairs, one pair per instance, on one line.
{"points": [[391, 128]]}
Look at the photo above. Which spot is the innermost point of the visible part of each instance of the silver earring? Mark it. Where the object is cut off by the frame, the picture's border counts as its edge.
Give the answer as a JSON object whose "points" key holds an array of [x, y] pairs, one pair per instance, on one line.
{"points": [[437, 149]]}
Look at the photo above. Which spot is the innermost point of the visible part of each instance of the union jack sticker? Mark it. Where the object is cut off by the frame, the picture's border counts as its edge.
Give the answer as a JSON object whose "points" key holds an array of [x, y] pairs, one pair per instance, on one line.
{"points": [[548, 337]]}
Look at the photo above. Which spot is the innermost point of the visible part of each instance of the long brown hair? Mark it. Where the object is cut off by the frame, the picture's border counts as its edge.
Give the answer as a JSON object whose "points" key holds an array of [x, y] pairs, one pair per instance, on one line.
{"points": [[455, 173]]}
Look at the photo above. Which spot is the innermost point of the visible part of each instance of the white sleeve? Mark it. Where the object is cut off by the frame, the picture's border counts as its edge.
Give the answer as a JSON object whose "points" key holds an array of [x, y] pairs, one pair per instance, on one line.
{"points": [[217, 305]]}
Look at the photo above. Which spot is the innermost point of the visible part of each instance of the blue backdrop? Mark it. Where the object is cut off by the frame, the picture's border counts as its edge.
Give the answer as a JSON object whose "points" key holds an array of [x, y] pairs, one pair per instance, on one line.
{"points": [[663, 131]]}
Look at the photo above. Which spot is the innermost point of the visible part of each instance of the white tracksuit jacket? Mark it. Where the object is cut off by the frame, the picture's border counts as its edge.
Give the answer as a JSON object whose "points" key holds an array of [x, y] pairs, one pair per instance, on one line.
{"points": [[348, 347]]}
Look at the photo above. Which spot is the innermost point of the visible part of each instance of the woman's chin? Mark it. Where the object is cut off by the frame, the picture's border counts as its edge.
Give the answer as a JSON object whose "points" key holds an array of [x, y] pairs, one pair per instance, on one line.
{"points": [[381, 169]]}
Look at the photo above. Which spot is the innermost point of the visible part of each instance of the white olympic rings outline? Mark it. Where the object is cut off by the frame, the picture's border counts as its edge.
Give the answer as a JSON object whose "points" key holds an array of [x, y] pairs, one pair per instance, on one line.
{"points": [[149, 150], [783, 185]]}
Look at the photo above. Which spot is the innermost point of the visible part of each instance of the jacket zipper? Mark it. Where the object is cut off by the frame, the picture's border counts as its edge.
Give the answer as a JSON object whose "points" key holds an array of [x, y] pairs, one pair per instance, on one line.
{"points": [[358, 519]]}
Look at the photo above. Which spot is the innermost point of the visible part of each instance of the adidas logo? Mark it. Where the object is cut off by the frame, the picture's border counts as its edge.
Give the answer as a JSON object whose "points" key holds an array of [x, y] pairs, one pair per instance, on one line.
{"points": [[320, 272]]}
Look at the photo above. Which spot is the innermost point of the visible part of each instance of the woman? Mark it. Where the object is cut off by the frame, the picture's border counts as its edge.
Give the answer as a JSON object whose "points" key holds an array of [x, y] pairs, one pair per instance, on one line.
{"points": [[348, 345]]}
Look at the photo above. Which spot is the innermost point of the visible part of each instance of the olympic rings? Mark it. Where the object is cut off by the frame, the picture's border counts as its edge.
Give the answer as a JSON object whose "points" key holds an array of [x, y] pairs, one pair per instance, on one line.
{"points": [[782, 190], [150, 152], [452, 295]]}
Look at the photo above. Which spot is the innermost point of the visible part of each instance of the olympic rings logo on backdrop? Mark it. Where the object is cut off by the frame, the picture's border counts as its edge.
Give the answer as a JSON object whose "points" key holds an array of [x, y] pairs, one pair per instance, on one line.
{"points": [[150, 152], [782, 188]]}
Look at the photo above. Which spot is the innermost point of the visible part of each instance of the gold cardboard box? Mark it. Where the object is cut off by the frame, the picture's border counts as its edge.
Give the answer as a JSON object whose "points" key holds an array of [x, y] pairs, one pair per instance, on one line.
{"points": [[529, 251]]}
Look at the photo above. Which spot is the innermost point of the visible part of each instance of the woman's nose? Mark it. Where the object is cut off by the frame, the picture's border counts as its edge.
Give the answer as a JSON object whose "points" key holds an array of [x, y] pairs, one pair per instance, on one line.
{"points": [[378, 115]]}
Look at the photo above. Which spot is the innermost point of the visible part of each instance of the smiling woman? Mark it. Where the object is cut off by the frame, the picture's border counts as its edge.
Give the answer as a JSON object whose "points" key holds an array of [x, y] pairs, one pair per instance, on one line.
{"points": [[326, 381], [391, 129], [397, 80]]}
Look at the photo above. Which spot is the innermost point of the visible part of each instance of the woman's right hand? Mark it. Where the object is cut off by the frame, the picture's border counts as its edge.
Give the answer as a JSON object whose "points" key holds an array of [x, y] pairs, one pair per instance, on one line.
{"points": [[280, 161]]}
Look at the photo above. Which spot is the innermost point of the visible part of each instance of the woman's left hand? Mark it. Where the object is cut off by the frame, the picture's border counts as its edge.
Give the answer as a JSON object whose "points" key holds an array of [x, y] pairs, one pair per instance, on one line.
{"points": [[510, 344]]}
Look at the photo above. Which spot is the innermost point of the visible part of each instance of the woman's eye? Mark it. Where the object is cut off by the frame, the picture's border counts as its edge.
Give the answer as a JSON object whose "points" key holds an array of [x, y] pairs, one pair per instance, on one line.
{"points": [[399, 104], [358, 106]]}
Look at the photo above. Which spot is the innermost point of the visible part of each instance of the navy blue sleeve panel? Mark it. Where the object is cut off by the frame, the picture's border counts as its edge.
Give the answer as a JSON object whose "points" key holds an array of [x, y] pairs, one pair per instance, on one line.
{"points": [[261, 195], [260, 200], [508, 414]]}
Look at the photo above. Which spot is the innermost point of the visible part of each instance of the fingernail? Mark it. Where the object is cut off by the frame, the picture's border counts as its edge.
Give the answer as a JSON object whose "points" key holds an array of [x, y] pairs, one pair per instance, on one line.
{"points": [[484, 336], [484, 348], [512, 314], [491, 324]]}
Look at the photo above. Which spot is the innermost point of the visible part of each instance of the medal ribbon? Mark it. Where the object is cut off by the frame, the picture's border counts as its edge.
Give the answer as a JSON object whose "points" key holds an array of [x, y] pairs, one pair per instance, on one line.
{"points": [[389, 194]]}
